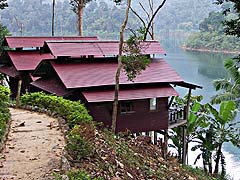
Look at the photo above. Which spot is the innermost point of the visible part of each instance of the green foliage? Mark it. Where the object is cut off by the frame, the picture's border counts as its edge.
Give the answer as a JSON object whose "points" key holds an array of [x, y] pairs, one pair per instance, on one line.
{"points": [[231, 86], [211, 35], [3, 32], [35, 15], [212, 23], [195, 120], [80, 175], [213, 41], [4, 111], [80, 141], [76, 175], [134, 62], [73, 111], [221, 129]]}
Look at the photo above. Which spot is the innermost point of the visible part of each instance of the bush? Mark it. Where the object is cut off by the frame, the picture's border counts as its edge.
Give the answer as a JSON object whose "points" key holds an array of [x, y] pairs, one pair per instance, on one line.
{"points": [[76, 175], [80, 142], [73, 111], [4, 111]]}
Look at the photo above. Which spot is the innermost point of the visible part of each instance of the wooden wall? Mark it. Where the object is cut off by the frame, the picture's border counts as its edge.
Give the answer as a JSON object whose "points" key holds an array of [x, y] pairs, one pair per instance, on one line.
{"points": [[140, 120]]}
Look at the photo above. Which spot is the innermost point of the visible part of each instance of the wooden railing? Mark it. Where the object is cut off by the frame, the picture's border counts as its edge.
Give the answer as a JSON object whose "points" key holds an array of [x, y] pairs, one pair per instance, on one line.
{"points": [[177, 114]]}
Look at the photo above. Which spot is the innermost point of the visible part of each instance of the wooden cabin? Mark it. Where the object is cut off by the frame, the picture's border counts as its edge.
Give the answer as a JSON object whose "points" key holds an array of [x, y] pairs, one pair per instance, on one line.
{"points": [[84, 69]]}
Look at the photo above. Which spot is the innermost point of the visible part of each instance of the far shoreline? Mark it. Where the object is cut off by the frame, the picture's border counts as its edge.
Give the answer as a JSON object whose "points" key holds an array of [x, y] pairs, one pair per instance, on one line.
{"points": [[209, 50]]}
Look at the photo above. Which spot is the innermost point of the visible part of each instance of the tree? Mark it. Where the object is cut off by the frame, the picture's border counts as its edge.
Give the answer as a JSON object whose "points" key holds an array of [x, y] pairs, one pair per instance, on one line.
{"points": [[222, 128], [194, 121], [232, 25], [3, 33], [77, 7], [133, 61], [231, 86], [121, 41]]}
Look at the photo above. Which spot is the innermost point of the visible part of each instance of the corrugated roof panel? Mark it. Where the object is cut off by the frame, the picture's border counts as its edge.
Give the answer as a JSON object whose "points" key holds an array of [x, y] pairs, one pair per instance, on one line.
{"points": [[77, 75], [27, 60], [97, 48], [130, 94], [52, 86], [29, 42], [10, 71], [71, 49]]}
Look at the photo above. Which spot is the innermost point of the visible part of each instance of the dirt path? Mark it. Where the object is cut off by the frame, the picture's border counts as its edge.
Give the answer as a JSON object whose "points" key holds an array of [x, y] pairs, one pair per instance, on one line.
{"points": [[34, 147]]}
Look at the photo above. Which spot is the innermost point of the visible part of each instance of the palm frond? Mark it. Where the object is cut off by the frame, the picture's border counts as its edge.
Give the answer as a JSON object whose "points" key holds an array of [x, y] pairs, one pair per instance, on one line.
{"points": [[225, 96], [223, 84]]}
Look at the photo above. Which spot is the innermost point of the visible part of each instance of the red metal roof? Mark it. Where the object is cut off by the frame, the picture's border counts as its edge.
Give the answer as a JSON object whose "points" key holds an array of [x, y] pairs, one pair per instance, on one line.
{"points": [[130, 94], [28, 42], [51, 85], [27, 60], [78, 75], [10, 71], [96, 48]]}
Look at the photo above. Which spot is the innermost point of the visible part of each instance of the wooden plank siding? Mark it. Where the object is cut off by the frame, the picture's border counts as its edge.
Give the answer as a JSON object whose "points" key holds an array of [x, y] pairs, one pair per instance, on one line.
{"points": [[140, 120]]}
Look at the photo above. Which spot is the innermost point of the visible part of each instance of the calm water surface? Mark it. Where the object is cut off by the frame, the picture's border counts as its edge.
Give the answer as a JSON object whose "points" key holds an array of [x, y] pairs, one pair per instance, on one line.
{"points": [[202, 68]]}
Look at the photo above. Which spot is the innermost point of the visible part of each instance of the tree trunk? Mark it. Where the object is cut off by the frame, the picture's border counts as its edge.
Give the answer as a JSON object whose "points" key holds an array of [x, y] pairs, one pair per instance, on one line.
{"points": [[115, 103], [218, 154], [80, 19], [53, 14], [18, 93]]}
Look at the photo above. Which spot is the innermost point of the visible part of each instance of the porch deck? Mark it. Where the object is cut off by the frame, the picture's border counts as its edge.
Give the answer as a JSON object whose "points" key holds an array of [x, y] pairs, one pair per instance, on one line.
{"points": [[177, 116]]}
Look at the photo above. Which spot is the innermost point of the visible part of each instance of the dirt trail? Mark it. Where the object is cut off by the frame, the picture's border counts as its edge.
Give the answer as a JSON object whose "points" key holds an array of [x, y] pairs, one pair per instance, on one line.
{"points": [[34, 147]]}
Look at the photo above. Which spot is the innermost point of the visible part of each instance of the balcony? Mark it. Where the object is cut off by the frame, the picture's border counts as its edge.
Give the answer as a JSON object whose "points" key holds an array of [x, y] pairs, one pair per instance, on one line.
{"points": [[177, 116]]}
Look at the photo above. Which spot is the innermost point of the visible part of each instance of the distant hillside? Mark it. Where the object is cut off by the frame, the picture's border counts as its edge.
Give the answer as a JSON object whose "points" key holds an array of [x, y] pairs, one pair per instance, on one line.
{"points": [[100, 18], [212, 37]]}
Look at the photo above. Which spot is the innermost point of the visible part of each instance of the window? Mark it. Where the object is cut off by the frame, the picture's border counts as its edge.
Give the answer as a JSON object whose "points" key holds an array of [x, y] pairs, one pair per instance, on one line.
{"points": [[126, 106], [153, 104]]}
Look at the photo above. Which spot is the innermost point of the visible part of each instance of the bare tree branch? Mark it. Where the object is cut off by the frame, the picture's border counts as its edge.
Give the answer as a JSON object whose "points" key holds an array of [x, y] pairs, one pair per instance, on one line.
{"points": [[150, 22]]}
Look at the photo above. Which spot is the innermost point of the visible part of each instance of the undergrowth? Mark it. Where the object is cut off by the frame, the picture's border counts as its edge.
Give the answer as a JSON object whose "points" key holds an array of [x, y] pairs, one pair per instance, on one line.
{"points": [[4, 111], [98, 154]]}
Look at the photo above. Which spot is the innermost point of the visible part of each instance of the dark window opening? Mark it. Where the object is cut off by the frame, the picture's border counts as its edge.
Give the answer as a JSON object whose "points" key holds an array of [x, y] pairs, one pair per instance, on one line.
{"points": [[126, 106]]}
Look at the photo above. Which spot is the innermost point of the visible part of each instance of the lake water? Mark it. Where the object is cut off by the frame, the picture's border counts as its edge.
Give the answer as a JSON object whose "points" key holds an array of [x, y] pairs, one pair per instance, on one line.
{"points": [[201, 69]]}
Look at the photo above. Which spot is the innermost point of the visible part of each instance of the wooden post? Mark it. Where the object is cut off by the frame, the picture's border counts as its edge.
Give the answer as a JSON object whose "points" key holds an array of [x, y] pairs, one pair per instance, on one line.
{"points": [[155, 138], [184, 133], [18, 93], [53, 14], [184, 155], [165, 143]]}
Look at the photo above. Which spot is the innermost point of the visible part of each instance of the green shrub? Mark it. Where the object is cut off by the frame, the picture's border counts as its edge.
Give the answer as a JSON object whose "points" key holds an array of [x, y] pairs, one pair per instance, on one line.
{"points": [[4, 111], [80, 142], [76, 175], [73, 111]]}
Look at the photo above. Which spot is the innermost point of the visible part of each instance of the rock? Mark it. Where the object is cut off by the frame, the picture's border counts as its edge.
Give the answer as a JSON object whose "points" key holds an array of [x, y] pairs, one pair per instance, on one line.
{"points": [[119, 164], [11, 147], [129, 175], [65, 164], [21, 124], [1, 165], [22, 151], [39, 122]]}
